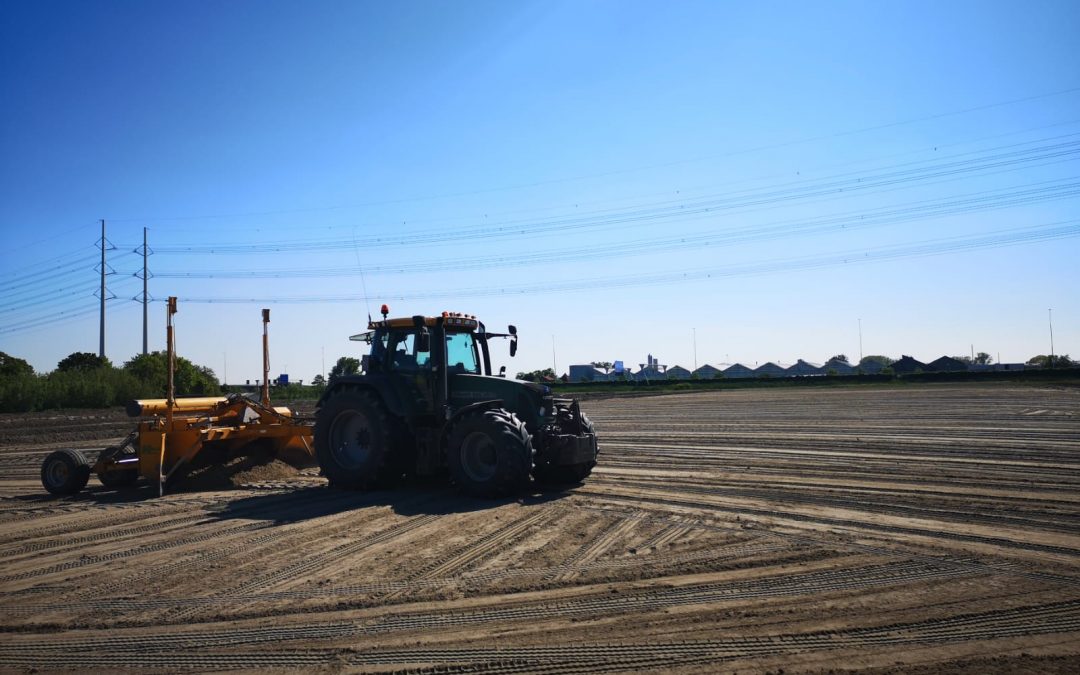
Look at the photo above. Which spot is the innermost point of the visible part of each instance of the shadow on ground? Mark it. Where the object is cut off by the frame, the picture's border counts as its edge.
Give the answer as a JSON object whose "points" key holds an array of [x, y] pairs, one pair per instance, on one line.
{"points": [[92, 494], [314, 502]]}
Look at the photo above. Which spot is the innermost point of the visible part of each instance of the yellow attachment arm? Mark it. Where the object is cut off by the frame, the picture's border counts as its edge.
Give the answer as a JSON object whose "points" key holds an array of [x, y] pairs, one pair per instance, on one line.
{"points": [[159, 406]]}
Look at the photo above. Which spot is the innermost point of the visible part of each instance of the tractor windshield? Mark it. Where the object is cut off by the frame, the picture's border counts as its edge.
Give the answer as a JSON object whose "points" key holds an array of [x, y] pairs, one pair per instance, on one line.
{"points": [[406, 354], [461, 353]]}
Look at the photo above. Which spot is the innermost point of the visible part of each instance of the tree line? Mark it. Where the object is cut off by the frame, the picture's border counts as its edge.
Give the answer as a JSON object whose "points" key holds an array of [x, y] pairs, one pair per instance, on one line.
{"points": [[85, 380]]}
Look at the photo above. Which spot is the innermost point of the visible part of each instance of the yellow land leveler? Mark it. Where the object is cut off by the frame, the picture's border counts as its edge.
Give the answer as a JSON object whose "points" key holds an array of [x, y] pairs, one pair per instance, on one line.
{"points": [[175, 434]]}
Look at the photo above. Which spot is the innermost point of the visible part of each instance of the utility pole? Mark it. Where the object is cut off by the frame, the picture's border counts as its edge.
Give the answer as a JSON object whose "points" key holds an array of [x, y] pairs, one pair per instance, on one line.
{"points": [[695, 349], [973, 353], [554, 363], [1050, 316], [145, 277], [860, 340], [101, 343]]}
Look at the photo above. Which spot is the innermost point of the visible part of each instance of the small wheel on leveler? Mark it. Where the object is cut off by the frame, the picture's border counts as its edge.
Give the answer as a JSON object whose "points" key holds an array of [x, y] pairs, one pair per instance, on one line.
{"points": [[65, 472]]}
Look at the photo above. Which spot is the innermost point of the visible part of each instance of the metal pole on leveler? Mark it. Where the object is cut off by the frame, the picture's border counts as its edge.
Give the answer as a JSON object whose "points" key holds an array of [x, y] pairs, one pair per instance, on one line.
{"points": [[266, 360], [170, 346]]}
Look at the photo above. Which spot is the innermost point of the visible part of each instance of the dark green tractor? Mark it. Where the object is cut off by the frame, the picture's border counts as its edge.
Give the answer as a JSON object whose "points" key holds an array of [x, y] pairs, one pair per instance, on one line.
{"points": [[427, 404]]}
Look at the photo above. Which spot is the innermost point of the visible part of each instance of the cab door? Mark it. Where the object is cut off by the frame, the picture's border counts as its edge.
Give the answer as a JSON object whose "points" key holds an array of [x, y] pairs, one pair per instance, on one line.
{"points": [[413, 369]]}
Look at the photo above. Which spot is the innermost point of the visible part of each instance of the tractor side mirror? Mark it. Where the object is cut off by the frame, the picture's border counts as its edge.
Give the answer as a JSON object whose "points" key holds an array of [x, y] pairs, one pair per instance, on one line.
{"points": [[512, 330], [513, 346], [502, 371]]}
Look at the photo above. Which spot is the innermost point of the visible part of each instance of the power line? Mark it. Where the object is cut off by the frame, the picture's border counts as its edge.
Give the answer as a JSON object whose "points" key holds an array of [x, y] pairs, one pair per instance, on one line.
{"points": [[962, 204], [66, 315], [727, 154], [1002, 238], [767, 196]]}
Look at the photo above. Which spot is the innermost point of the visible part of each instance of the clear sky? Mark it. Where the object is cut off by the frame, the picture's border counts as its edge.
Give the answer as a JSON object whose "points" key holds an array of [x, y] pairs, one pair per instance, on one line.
{"points": [[612, 177]]}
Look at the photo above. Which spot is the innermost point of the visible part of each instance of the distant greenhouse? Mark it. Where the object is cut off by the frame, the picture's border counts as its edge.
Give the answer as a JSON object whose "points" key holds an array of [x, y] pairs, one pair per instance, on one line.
{"points": [[802, 368], [707, 372], [947, 364], [838, 367], [677, 373], [770, 369], [738, 370], [653, 370]]}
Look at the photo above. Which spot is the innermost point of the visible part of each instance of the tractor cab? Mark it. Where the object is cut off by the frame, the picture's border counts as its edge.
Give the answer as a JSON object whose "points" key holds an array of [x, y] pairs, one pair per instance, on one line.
{"points": [[404, 345]]}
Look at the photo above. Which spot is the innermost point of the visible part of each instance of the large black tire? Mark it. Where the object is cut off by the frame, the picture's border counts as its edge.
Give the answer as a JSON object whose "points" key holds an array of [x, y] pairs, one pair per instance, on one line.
{"points": [[65, 472], [354, 441], [570, 474], [490, 453]]}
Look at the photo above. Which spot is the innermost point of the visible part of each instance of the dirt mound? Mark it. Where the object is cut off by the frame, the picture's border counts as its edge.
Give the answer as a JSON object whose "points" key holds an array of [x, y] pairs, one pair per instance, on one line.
{"points": [[273, 470], [236, 472]]}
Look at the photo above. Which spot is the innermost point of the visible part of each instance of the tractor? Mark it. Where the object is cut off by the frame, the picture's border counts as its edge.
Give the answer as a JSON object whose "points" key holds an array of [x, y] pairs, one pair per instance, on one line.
{"points": [[426, 403]]}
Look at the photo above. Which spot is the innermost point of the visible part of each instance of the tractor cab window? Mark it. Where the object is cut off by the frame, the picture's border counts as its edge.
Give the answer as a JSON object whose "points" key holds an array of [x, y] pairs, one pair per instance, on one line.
{"points": [[404, 353], [461, 353]]}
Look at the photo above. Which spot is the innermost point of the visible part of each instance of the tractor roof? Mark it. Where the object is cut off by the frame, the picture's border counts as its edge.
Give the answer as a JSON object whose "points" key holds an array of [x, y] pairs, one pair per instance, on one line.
{"points": [[466, 322]]}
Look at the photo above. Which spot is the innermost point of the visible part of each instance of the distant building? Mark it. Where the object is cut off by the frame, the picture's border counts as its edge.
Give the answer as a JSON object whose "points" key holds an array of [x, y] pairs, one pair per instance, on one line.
{"points": [[907, 365], [738, 370], [871, 367], [677, 373], [652, 369], [1001, 367], [588, 373], [838, 367], [770, 369], [648, 374], [707, 372], [946, 364], [802, 368]]}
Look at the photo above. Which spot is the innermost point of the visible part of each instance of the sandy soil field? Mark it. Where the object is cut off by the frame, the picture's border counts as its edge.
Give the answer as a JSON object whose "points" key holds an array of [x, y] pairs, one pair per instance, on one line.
{"points": [[907, 529]]}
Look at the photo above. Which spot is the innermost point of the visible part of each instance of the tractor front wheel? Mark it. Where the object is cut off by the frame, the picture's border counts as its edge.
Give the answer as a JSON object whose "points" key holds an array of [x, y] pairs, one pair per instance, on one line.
{"points": [[65, 472], [353, 441], [490, 453]]}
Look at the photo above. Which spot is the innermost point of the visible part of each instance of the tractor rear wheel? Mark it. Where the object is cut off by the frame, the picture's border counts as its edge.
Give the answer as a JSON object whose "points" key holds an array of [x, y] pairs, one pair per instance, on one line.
{"points": [[65, 472], [353, 441], [569, 474], [490, 453]]}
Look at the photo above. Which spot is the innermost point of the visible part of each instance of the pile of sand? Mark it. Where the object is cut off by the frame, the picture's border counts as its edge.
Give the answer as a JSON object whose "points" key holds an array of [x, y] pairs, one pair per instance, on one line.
{"points": [[235, 472]]}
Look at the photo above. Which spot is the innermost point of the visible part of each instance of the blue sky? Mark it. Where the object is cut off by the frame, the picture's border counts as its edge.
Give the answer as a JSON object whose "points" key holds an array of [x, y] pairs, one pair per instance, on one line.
{"points": [[608, 176]]}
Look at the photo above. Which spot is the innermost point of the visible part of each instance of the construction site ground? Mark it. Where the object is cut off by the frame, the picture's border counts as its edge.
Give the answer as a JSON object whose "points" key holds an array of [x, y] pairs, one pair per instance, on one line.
{"points": [[897, 529]]}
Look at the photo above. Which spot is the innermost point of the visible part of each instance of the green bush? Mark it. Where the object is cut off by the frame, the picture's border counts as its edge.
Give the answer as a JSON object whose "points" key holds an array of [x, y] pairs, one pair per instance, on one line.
{"points": [[84, 386], [189, 379], [19, 392]]}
